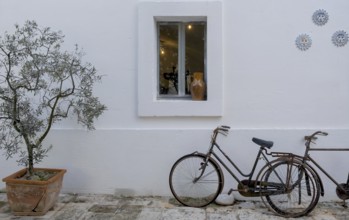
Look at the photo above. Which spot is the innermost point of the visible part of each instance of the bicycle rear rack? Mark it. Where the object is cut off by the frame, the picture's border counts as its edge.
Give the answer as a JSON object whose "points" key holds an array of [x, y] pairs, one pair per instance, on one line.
{"points": [[281, 154]]}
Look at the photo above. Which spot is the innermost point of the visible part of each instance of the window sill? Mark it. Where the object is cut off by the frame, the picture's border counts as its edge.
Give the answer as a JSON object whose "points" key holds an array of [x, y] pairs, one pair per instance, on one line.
{"points": [[174, 98]]}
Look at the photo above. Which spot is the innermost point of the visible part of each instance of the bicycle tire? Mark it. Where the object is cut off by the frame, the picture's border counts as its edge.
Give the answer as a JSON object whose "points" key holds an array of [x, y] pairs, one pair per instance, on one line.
{"points": [[182, 180], [295, 197]]}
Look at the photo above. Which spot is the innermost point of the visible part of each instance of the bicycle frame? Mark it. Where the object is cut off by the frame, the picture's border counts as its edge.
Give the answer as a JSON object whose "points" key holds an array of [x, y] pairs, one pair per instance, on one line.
{"points": [[307, 157], [211, 153]]}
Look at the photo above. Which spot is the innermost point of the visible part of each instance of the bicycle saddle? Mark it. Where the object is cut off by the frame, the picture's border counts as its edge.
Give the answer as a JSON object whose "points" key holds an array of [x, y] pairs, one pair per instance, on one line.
{"points": [[264, 143]]}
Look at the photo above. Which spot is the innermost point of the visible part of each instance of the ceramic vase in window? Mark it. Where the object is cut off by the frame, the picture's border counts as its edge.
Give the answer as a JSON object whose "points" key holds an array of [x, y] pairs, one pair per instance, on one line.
{"points": [[198, 86]]}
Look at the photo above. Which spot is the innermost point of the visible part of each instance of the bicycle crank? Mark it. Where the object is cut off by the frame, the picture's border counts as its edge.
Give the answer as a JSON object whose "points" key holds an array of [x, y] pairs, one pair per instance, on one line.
{"points": [[343, 194], [342, 191]]}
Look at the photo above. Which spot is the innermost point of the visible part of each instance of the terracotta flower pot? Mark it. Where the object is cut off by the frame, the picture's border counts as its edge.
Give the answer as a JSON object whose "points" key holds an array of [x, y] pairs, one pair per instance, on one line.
{"points": [[33, 197]]}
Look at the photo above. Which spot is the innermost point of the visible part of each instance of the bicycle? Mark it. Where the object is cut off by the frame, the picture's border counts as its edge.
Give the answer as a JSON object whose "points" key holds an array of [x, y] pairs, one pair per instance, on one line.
{"points": [[197, 179], [342, 189]]}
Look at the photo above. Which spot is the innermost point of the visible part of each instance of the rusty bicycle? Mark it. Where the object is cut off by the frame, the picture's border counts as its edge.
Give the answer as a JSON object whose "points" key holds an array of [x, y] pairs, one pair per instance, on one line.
{"points": [[287, 184], [342, 189]]}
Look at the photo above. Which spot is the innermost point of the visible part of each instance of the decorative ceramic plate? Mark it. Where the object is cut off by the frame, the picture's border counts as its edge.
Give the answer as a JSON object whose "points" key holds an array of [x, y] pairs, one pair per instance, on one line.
{"points": [[340, 38], [303, 42], [320, 17]]}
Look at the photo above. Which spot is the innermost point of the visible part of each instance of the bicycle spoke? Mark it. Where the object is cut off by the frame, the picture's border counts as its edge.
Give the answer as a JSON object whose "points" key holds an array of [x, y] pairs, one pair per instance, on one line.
{"points": [[300, 192], [194, 182]]}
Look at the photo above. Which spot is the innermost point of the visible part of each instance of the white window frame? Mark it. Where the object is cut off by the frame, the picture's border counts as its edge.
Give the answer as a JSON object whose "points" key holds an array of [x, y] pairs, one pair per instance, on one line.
{"points": [[149, 14]]}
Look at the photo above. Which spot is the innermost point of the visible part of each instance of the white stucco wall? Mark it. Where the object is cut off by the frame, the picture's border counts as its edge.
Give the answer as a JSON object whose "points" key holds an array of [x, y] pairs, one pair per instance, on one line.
{"points": [[271, 90]]}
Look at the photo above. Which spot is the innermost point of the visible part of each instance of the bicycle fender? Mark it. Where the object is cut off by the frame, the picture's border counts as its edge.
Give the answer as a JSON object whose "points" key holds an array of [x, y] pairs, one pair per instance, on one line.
{"points": [[320, 180], [299, 158]]}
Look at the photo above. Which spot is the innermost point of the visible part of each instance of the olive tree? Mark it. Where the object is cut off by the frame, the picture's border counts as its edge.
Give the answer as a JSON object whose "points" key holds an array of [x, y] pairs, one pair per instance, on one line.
{"points": [[40, 84]]}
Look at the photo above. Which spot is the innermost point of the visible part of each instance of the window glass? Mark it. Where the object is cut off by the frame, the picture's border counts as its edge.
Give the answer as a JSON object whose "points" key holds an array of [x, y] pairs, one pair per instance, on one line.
{"points": [[168, 59], [194, 51], [181, 47]]}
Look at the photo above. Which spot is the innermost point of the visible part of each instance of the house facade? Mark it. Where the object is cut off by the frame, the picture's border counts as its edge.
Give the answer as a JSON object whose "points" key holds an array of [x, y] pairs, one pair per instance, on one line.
{"points": [[259, 81]]}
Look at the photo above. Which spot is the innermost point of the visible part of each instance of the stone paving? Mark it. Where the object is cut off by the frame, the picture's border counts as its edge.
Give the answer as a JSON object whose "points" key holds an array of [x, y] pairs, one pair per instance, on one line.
{"points": [[88, 207]]}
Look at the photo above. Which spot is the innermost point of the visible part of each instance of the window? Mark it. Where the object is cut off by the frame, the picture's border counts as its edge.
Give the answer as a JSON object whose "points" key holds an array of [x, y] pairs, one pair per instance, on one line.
{"points": [[166, 61], [181, 52]]}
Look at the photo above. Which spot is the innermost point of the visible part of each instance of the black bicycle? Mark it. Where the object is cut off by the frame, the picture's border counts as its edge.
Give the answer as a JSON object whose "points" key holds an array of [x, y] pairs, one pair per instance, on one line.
{"points": [[286, 184]]}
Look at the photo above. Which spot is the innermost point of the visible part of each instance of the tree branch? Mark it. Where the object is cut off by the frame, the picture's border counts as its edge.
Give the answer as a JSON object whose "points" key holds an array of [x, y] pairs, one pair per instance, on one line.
{"points": [[50, 121], [5, 118]]}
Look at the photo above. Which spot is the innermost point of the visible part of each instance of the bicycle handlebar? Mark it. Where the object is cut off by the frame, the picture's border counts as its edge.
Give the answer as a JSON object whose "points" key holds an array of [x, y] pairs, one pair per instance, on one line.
{"points": [[313, 136], [223, 129]]}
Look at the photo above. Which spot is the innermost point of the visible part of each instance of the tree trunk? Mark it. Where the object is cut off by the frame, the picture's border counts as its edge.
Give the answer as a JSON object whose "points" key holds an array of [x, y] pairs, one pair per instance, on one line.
{"points": [[30, 160]]}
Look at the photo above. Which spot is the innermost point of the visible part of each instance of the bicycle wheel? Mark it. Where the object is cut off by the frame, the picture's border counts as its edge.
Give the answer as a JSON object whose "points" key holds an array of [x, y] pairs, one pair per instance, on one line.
{"points": [[292, 189], [193, 183]]}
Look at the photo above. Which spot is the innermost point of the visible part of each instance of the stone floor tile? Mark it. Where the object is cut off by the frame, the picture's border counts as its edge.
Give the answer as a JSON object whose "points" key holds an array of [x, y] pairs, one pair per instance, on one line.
{"points": [[184, 213]]}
